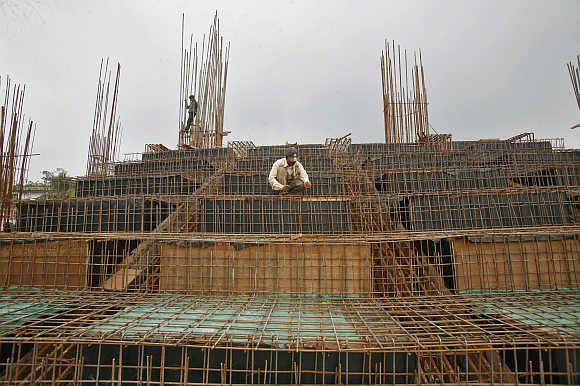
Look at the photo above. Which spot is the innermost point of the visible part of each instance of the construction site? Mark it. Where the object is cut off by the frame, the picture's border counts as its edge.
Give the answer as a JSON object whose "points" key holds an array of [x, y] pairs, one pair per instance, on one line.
{"points": [[419, 260]]}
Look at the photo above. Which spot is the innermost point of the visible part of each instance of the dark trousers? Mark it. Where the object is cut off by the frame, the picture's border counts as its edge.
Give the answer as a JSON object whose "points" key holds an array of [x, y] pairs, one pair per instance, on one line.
{"points": [[296, 186], [189, 121]]}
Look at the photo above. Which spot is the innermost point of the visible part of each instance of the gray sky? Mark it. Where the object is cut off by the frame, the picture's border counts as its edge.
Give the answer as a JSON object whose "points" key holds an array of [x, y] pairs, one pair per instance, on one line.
{"points": [[299, 70]]}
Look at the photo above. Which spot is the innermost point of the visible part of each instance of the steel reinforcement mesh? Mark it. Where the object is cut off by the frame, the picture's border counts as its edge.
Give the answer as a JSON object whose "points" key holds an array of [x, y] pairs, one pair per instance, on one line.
{"points": [[449, 264], [529, 337], [395, 187], [404, 263]]}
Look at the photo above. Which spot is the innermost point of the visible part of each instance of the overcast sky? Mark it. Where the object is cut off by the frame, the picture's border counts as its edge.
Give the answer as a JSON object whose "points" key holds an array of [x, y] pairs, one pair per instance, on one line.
{"points": [[299, 70]]}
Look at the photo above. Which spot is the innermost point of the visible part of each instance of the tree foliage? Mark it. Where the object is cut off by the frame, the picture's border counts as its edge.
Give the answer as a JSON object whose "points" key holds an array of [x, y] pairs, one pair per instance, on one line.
{"points": [[55, 184]]}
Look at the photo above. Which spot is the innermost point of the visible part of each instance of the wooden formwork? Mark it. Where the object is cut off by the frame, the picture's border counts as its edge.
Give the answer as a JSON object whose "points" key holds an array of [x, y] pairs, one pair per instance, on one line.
{"points": [[270, 268], [59, 264], [516, 264]]}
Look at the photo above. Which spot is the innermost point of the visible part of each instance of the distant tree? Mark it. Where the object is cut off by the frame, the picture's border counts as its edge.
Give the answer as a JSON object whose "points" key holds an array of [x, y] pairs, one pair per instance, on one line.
{"points": [[56, 184], [60, 184]]}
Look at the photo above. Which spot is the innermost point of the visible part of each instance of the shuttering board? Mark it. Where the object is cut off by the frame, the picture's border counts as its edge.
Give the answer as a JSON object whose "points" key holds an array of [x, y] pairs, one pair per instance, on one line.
{"points": [[516, 265], [277, 215], [58, 264], [213, 153], [462, 159], [381, 148], [91, 215], [428, 180], [419, 157], [167, 166], [323, 184], [304, 151], [141, 184], [310, 367], [273, 268], [490, 210], [435, 181], [265, 164]]}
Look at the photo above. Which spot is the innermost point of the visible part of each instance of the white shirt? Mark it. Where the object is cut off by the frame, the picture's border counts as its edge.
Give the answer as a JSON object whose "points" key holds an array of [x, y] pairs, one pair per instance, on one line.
{"points": [[282, 172]]}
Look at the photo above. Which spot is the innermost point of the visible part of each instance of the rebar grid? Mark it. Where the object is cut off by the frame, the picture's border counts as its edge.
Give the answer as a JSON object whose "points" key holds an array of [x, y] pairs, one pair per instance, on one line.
{"points": [[467, 322], [115, 364], [405, 263], [403, 267], [339, 215], [478, 185], [303, 238], [16, 142]]}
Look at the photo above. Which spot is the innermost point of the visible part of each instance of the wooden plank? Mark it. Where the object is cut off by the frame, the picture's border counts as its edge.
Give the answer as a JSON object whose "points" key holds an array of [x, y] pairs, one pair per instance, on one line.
{"points": [[272, 268], [54, 264], [527, 265]]}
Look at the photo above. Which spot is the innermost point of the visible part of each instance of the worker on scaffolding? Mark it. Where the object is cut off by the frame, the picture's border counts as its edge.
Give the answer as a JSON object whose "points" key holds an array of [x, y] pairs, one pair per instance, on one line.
{"points": [[191, 112], [288, 174]]}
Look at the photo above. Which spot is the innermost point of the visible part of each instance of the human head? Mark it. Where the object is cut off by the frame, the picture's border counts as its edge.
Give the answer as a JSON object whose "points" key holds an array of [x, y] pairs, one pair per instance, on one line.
{"points": [[291, 155], [191, 98]]}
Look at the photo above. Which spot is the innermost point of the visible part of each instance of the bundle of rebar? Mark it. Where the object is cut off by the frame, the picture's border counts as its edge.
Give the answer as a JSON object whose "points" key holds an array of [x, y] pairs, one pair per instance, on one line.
{"points": [[405, 111], [14, 154], [203, 75], [574, 72], [106, 131]]}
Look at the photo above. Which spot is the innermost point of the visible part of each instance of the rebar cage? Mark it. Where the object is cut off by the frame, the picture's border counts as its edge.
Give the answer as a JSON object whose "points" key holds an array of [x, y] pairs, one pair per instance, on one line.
{"points": [[404, 263]]}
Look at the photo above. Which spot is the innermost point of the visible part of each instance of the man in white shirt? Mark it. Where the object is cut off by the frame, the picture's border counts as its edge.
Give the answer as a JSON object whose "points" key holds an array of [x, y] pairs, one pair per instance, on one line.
{"points": [[288, 175]]}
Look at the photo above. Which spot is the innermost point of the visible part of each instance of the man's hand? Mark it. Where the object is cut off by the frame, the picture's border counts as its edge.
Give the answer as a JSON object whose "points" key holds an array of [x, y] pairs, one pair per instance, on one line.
{"points": [[285, 188], [307, 185]]}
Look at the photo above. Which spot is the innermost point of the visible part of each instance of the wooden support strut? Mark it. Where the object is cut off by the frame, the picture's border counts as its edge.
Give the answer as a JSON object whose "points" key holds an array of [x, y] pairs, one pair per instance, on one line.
{"points": [[140, 258]]}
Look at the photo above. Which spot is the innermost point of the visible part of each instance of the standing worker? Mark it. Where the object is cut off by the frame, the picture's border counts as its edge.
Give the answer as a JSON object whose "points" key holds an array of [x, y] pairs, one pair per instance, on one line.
{"points": [[191, 112], [288, 175]]}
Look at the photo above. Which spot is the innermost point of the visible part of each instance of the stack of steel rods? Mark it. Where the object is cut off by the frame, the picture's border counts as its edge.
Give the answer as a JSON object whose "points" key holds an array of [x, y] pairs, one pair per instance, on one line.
{"points": [[404, 105], [14, 156], [205, 77], [574, 72], [106, 132]]}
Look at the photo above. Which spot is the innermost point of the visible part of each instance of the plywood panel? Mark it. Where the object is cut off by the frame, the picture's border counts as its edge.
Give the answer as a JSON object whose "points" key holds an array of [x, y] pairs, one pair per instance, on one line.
{"points": [[60, 264], [529, 264], [272, 268]]}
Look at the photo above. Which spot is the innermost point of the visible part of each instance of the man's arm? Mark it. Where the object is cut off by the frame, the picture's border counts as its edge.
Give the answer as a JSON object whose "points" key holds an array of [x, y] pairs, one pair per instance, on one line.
{"points": [[302, 173], [272, 178]]}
